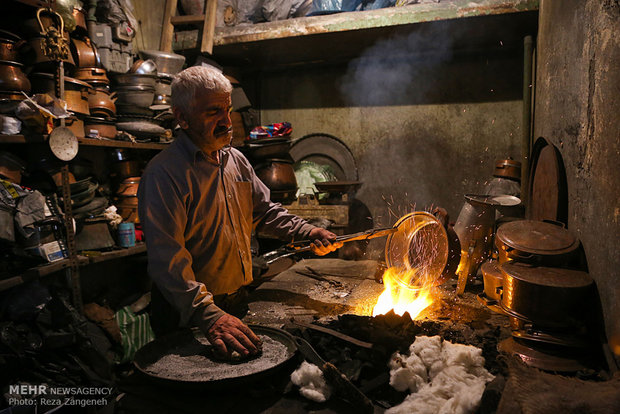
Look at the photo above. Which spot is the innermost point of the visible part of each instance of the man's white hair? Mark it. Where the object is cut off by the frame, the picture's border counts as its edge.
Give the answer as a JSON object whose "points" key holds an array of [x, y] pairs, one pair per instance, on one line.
{"points": [[197, 79]]}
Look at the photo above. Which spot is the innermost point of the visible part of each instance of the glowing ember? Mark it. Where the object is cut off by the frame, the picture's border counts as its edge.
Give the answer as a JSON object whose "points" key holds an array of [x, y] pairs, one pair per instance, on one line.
{"points": [[400, 297]]}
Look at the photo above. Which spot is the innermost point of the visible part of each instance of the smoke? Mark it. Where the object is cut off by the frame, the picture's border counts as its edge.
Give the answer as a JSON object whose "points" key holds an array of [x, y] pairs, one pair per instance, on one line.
{"points": [[399, 70]]}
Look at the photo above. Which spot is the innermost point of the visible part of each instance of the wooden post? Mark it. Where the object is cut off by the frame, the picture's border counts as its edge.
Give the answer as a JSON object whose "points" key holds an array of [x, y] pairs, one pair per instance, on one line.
{"points": [[167, 32], [208, 28]]}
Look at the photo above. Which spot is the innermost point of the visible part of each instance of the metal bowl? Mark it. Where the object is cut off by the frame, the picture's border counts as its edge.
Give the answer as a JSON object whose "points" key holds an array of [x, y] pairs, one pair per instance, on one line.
{"points": [[144, 67], [168, 64]]}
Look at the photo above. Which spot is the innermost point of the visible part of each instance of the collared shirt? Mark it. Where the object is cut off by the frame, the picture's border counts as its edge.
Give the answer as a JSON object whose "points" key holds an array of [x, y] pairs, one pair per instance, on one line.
{"points": [[198, 217]]}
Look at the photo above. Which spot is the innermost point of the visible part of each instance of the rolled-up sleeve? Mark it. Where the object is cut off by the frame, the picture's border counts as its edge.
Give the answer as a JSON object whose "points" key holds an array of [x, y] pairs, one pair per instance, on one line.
{"points": [[163, 217]]}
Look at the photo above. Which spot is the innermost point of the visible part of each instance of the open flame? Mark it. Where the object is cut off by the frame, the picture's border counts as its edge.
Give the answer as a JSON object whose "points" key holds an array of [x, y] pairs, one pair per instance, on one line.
{"points": [[399, 296]]}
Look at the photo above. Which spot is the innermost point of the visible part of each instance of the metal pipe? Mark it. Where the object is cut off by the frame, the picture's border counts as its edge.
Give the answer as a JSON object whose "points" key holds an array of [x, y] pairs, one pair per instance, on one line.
{"points": [[526, 142]]}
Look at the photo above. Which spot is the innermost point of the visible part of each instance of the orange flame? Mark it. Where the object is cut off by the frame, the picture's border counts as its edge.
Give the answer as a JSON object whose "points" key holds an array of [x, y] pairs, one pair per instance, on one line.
{"points": [[400, 297]]}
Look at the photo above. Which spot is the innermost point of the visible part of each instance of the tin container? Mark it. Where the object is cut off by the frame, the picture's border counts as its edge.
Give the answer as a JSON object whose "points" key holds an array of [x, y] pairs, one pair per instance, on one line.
{"points": [[126, 235]]}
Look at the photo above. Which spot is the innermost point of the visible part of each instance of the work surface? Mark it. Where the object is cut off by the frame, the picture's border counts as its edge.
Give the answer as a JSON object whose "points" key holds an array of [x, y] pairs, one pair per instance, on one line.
{"points": [[299, 292], [349, 287]]}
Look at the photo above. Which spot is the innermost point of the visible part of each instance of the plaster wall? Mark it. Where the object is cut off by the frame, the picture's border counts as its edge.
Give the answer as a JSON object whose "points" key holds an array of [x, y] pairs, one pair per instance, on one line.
{"points": [[577, 109]]}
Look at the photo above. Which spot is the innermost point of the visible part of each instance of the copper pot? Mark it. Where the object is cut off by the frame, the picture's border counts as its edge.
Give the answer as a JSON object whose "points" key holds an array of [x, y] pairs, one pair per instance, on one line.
{"points": [[35, 56], [508, 168], [76, 91], [9, 49], [95, 127], [96, 77], [101, 103], [129, 187], [12, 78], [537, 242], [493, 279], [46, 21], [277, 175], [546, 296], [84, 53], [128, 208], [126, 168]]}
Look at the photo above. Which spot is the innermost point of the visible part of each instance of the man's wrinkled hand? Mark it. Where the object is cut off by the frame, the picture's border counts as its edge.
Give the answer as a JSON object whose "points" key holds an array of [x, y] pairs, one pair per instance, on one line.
{"points": [[229, 334], [323, 241]]}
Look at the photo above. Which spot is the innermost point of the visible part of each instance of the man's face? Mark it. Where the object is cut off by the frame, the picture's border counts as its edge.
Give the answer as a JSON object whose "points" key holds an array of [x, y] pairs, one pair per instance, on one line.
{"points": [[208, 123]]}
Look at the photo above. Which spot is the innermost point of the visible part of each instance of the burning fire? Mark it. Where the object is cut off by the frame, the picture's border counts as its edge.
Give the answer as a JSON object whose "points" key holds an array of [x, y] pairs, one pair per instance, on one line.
{"points": [[399, 296]]}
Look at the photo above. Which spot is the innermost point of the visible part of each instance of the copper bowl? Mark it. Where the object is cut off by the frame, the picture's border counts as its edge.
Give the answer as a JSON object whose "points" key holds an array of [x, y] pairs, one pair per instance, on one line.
{"points": [[277, 175]]}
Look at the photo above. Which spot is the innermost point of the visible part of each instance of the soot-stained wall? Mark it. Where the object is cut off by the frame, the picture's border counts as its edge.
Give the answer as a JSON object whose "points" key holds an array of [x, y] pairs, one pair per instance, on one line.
{"points": [[425, 128], [578, 110]]}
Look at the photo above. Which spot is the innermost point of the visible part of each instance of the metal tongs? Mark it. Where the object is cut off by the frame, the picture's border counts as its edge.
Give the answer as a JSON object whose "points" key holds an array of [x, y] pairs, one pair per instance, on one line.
{"points": [[306, 245]]}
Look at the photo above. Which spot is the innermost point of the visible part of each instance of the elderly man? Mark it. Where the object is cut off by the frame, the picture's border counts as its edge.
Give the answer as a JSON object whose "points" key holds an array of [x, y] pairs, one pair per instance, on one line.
{"points": [[199, 201]]}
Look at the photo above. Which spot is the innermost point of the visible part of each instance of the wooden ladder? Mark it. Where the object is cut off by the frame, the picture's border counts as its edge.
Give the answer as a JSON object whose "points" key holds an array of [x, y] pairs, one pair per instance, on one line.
{"points": [[207, 20]]}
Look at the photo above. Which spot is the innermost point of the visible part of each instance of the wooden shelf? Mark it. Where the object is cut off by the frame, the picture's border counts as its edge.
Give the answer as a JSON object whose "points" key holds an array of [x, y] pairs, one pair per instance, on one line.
{"points": [[28, 139], [341, 36], [122, 144], [47, 269], [115, 254]]}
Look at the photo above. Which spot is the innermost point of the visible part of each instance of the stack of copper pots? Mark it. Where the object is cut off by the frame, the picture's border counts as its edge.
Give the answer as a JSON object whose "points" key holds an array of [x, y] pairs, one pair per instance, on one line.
{"points": [[13, 81], [545, 293], [125, 171], [101, 121]]}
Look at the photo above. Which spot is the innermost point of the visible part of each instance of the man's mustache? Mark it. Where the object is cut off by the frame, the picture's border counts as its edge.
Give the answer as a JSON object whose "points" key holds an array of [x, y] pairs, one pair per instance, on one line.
{"points": [[222, 129]]}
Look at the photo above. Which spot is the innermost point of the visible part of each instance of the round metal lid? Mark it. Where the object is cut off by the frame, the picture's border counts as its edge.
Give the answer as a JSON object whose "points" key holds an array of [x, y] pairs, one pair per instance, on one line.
{"points": [[547, 276], [537, 237]]}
